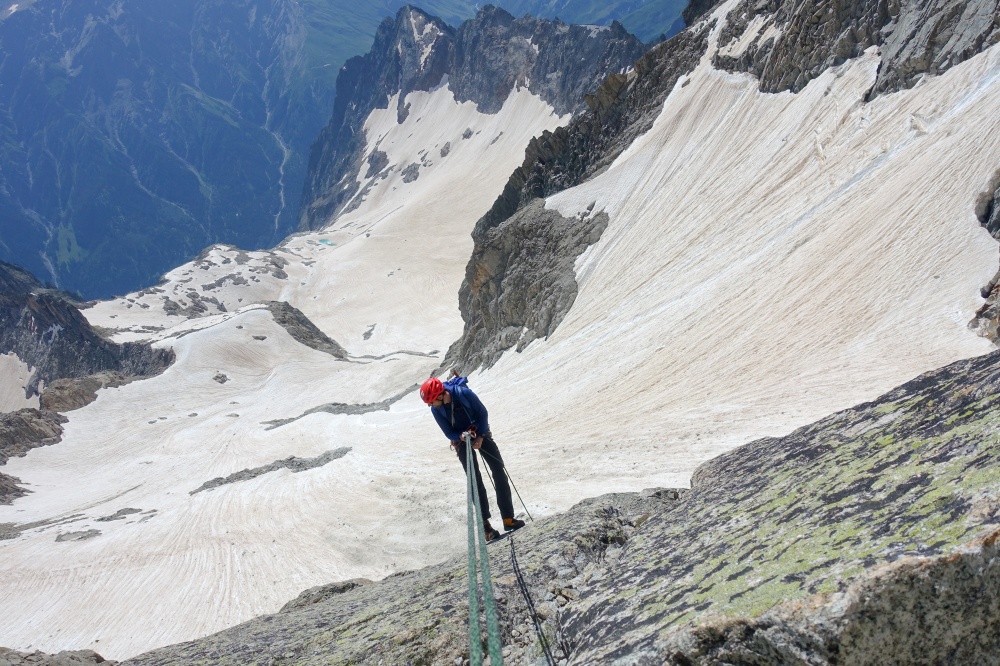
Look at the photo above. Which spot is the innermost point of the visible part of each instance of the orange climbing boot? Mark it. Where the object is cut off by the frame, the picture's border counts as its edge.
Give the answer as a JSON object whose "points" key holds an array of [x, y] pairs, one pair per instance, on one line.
{"points": [[491, 533], [511, 524]]}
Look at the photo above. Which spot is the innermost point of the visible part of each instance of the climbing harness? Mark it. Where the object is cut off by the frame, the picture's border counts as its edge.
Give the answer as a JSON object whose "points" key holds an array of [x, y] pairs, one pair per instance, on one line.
{"points": [[476, 534]]}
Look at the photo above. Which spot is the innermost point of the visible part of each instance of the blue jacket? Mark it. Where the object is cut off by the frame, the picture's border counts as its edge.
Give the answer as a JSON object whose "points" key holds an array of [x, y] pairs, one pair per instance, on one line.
{"points": [[464, 410]]}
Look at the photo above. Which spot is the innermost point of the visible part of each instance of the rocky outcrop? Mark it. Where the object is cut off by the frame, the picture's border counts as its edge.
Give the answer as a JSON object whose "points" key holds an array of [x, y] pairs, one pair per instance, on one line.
{"points": [[50, 334], [870, 533], [621, 109], [10, 490], [314, 595], [989, 213], [345, 408], [520, 281], [65, 395], [804, 517], [27, 429], [20, 432], [65, 658], [291, 463], [303, 330], [795, 40], [484, 60]]}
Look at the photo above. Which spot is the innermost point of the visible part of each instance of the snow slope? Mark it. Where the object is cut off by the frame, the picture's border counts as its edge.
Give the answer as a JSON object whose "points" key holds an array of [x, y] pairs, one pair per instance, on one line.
{"points": [[769, 259]]}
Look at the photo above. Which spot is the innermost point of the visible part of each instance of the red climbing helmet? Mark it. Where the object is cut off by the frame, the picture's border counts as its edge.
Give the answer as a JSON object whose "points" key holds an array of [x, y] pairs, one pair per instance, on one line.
{"points": [[431, 390]]}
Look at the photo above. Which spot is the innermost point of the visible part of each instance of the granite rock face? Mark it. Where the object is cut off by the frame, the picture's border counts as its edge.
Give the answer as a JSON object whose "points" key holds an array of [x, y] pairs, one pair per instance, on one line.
{"points": [[797, 40], [913, 474], [50, 334], [485, 59], [869, 537], [520, 281], [890, 615]]}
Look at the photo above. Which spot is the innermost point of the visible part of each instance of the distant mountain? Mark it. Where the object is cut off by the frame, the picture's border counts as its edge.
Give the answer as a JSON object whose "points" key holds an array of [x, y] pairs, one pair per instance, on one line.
{"points": [[135, 135], [482, 61]]}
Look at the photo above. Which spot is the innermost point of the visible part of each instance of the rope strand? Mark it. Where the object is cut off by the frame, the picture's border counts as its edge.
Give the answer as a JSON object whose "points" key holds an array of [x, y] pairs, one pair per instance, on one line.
{"points": [[489, 602]]}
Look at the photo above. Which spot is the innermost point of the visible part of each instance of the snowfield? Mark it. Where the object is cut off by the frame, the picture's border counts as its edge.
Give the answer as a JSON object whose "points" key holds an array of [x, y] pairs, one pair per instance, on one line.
{"points": [[769, 259]]}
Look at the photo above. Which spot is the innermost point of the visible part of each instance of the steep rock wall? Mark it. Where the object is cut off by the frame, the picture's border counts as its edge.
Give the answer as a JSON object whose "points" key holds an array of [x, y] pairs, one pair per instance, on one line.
{"points": [[623, 108], [522, 281], [987, 319]]}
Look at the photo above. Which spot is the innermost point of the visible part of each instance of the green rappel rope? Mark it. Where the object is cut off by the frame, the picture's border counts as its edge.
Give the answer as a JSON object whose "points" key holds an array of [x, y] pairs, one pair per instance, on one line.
{"points": [[475, 520]]}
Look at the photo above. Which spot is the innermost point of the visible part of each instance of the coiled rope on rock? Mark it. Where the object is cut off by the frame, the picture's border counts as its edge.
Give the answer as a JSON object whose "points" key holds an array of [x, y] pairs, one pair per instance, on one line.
{"points": [[478, 535]]}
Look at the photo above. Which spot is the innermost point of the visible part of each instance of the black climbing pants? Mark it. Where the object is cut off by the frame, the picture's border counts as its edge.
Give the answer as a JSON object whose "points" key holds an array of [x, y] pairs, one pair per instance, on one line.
{"points": [[491, 454]]}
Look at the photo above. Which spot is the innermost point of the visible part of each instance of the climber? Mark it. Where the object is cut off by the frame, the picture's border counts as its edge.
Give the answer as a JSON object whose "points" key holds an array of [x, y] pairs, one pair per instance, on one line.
{"points": [[457, 411]]}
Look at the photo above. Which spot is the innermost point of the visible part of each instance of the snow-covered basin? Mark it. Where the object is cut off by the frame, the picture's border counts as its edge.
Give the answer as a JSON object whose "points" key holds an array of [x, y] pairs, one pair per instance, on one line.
{"points": [[383, 282], [769, 259]]}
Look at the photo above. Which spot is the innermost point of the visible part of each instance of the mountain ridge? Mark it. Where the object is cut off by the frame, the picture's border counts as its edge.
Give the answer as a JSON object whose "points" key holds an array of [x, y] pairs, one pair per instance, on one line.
{"points": [[485, 60]]}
